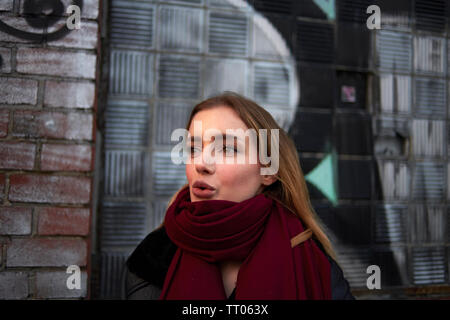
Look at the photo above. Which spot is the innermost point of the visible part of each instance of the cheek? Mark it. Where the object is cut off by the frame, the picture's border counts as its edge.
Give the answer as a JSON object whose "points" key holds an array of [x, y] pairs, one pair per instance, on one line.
{"points": [[189, 172], [239, 176]]}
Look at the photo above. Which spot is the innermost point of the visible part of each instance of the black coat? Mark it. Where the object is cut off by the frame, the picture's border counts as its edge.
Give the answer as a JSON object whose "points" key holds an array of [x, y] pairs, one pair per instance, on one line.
{"points": [[146, 268]]}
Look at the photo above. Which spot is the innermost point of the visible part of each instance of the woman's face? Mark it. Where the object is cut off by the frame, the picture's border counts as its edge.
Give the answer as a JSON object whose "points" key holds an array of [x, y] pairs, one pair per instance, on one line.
{"points": [[230, 180]]}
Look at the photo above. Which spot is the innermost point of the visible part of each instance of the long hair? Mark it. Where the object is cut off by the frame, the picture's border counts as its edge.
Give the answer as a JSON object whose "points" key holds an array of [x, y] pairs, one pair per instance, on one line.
{"points": [[290, 187]]}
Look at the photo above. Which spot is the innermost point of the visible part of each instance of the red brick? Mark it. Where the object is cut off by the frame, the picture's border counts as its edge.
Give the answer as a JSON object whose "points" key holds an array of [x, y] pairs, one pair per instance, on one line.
{"points": [[18, 91], [56, 62], [5, 65], [69, 94], [4, 120], [85, 37], [46, 252], [15, 221], [53, 285], [17, 155], [18, 23], [49, 189], [14, 285], [53, 125], [64, 157], [2, 186], [63, 221]]}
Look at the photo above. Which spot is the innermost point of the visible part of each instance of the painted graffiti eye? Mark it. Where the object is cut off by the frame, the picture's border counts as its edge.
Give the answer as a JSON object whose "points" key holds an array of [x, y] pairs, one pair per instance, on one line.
{"points": [[41, 14]]}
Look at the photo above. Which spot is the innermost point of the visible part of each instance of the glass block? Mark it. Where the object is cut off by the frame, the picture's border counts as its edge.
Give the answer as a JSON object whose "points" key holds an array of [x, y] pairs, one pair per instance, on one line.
{"points": [[428, 137], [123, 223], [124, 173], [429, 54], [170, 116], [428, 265], [267, 41], [312, 131], [112, 265], [353, 11], [428, 181], [430, 15], [394, 51], [272, 6], [179, 77], [132, 23], [395, 93], [130, 73], [395, 178], [390, 223], [317, 86], [180, 29], [159, 212], [396, 15], [353, 134], [167, 177], [126, 123], [355, 179], [430, 97], [392, 263], [225, 75], [228, 33], [354, 263], [427, 224], [315, 42], [272, 84]]}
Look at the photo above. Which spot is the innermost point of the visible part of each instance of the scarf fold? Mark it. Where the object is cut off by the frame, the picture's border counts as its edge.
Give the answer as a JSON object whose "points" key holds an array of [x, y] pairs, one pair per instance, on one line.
{"points": [[257, 232]]}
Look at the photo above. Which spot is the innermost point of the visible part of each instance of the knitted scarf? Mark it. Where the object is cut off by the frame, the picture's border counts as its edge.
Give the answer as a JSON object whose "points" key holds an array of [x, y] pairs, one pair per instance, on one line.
{"points": [[257, 232]]}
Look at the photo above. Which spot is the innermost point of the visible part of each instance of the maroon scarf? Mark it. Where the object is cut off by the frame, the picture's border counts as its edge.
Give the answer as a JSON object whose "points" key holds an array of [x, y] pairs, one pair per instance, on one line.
{"points": [[256, 231]]}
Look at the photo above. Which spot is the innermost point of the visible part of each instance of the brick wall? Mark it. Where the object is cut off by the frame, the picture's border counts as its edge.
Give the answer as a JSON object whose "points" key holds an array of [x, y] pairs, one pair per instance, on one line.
{"points": [[47, 126]]}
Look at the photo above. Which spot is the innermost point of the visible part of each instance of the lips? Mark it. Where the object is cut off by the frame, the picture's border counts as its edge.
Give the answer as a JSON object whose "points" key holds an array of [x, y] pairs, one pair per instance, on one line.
{"points": [[202, 190]]}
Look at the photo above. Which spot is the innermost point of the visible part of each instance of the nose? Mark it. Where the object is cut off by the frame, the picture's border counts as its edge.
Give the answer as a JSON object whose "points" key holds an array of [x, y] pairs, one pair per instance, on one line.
{"points": [[205, 163]]}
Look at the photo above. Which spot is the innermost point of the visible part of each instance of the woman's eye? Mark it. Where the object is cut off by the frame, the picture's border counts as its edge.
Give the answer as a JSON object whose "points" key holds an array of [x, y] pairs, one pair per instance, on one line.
{"points": [[193, 150], [232, 149]]}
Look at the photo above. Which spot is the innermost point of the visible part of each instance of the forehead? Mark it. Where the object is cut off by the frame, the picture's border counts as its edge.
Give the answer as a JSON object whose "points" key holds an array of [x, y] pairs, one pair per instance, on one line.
{"points": [[219, 117]]}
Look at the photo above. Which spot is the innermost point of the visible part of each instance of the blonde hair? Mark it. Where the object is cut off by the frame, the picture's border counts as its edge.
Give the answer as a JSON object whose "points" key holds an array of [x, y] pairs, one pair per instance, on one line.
{"points": [[290, 187]]}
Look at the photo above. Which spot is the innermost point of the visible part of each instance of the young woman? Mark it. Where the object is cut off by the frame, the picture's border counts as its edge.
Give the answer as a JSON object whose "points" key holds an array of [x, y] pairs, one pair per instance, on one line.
{"points": [[236, 231]]}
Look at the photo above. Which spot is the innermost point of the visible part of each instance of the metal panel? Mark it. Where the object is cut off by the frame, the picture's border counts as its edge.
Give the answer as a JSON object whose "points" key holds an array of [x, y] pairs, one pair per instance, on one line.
{"points": [[428, 137], [130, 73], [112, 265], [124, 173], [271, 84], [428, 265], [395, 180], [132, 23], [180, 29], [228, 33], [394, 51], [233, 76], [430, 15], [179, 77], [428, 181], [170, 116], [429, 54], [430, 97], [167, 177], [315, 42], [427, 224], [395, 93], [126, 123], [123, 223], [390, 223]]}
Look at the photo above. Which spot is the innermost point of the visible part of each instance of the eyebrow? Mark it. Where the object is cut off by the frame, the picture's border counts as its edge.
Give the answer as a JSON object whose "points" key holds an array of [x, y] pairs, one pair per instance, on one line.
{"points": [[224, 137]]}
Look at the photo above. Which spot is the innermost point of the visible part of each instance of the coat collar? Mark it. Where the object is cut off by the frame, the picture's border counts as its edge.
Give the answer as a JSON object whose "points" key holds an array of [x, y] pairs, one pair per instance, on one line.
{"points": [[152, 257]]}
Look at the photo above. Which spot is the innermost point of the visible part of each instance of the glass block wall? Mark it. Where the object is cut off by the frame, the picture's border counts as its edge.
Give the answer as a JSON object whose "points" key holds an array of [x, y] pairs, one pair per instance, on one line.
{"points": [[164, 57], [375, 98]]}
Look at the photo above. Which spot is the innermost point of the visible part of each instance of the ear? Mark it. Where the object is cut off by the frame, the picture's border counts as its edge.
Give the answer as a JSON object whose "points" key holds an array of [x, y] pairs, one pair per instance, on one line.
{"points": [[268, 180]]}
